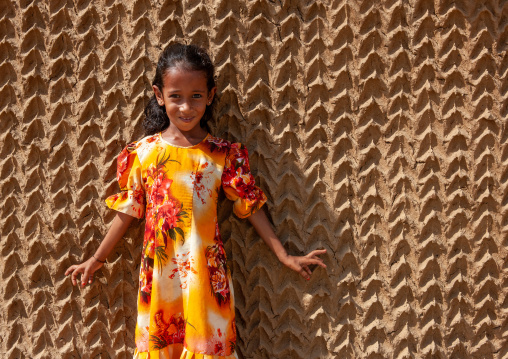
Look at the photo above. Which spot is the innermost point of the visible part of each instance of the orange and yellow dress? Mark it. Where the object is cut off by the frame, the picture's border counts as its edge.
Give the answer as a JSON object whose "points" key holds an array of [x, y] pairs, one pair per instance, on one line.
{"points": [[185, 299]]}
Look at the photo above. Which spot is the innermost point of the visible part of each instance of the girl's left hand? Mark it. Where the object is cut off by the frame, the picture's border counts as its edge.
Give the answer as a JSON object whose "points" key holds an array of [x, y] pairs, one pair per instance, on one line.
{"points": [[300, 263]]}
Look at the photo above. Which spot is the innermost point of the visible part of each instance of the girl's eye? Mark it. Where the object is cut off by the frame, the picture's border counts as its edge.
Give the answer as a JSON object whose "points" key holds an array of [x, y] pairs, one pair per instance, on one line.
{"points": [[178, 96]]}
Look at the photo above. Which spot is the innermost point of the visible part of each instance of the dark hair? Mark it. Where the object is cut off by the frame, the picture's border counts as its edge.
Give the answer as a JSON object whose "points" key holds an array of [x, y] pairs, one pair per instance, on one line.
{"points": [[188, 57]]}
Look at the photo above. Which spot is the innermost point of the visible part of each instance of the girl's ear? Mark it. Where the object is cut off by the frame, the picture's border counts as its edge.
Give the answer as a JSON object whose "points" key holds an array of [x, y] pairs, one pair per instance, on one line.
{"points": [[211, 94], [158, 95]]}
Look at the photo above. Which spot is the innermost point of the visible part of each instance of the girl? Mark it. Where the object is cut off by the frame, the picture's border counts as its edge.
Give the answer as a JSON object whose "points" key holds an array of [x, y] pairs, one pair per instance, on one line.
{"points": [[172, 177]]}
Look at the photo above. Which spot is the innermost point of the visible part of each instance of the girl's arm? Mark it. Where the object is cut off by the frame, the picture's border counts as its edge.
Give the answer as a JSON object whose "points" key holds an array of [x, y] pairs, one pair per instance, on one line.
{"points": [[118, 227], [297, 263]]}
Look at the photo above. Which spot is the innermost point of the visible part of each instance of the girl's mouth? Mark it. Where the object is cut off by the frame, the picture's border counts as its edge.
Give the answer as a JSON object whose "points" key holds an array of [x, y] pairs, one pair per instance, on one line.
{"points": [[186, 119]]}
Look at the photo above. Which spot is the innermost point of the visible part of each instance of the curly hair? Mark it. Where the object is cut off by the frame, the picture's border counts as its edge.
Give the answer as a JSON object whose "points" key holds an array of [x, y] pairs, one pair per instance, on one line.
{"points": [[187, 57]]}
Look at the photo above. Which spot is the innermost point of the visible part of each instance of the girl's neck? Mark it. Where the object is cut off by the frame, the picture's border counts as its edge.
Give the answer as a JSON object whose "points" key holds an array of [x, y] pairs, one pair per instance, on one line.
{"points": [[184, 138]]}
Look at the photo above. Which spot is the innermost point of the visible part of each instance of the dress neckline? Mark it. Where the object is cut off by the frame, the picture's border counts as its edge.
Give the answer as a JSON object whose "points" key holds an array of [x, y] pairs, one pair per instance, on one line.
{"points": [[173, 145]]}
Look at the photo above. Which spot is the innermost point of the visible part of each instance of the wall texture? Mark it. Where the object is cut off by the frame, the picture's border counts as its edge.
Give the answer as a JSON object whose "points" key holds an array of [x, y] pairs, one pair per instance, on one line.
{"points": [[378, 130]]}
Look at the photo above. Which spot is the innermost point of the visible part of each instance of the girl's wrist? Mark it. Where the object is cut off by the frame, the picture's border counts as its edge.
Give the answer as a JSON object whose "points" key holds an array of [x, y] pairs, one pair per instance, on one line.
{"points": [[283, 257], [98, 260]]}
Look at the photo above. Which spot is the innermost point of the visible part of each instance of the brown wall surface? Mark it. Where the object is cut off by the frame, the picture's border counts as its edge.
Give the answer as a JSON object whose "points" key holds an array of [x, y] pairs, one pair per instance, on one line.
{"points": [[377, 130]]}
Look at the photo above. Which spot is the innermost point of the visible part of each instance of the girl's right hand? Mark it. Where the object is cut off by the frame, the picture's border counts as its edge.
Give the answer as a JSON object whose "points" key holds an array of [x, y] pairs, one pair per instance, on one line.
{"points": [[86, 269]]}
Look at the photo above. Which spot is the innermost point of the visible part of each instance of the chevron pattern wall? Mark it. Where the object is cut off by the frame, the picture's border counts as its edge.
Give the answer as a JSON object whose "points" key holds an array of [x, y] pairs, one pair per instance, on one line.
{"points": [[377, 129]]}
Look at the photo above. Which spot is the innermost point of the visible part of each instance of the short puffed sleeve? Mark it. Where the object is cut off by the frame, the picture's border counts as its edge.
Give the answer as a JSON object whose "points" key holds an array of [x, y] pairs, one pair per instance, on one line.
{"points": [[131, 199], [238, 182]]}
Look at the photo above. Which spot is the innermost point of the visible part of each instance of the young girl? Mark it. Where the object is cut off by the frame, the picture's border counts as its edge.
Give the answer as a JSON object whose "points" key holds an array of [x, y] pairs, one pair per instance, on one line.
{"points": [[172, 177]]}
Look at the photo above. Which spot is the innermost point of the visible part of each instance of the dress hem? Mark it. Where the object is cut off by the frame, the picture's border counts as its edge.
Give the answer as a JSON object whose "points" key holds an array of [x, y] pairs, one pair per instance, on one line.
{"points": [[171, 350]]}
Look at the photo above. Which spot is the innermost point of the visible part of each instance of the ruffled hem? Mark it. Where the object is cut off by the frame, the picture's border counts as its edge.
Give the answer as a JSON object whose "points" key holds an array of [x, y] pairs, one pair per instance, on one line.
{"points": [[126, 202], [172, 352], [244, 208], [187, 354]]}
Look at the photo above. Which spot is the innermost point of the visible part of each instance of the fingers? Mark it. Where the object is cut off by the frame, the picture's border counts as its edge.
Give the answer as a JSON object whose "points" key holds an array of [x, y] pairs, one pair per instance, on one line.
{"points": [[74, 275], [86, 275], [317, 252], [313, 259], [70, 269], [320, 262], [317, 261], [303, 272], [307, 270]]}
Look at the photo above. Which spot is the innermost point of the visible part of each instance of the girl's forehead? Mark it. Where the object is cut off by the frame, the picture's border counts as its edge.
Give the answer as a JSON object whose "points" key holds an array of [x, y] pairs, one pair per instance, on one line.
{"points": [[177, 77]]}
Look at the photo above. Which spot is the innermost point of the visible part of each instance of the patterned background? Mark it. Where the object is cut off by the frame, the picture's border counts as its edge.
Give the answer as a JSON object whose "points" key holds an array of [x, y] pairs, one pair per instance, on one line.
{"points": [[377, 130]]}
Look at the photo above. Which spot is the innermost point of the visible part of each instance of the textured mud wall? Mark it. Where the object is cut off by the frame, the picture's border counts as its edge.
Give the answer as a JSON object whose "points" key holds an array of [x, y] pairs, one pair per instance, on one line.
{"points": [[377, 129]]}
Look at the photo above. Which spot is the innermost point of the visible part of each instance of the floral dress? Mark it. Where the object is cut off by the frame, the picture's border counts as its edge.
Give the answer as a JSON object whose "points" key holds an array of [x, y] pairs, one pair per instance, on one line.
{"points": [[185, 299]]}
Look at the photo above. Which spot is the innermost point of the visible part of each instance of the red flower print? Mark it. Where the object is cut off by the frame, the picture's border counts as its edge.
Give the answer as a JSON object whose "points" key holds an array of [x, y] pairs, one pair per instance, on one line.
{"points": [[168, 213], [138, 193], [217, 269], [123, 161], [197, 180], [145, 283], [161, 186], [217, 144], [151, 139], [157, 181], [149, 238], [212, 261], [167, 332], [150, 249], [239, 184], [151, 171], [219, 282], [216, 345], [184, 267]]}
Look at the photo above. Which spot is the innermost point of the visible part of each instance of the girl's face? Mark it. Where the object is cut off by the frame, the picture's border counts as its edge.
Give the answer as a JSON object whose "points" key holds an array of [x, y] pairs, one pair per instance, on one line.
{"points": [[185, 96]]}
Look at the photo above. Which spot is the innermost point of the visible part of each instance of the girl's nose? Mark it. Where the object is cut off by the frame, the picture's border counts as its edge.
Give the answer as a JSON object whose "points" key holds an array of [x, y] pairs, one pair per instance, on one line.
{"points": [[185, 106]]}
